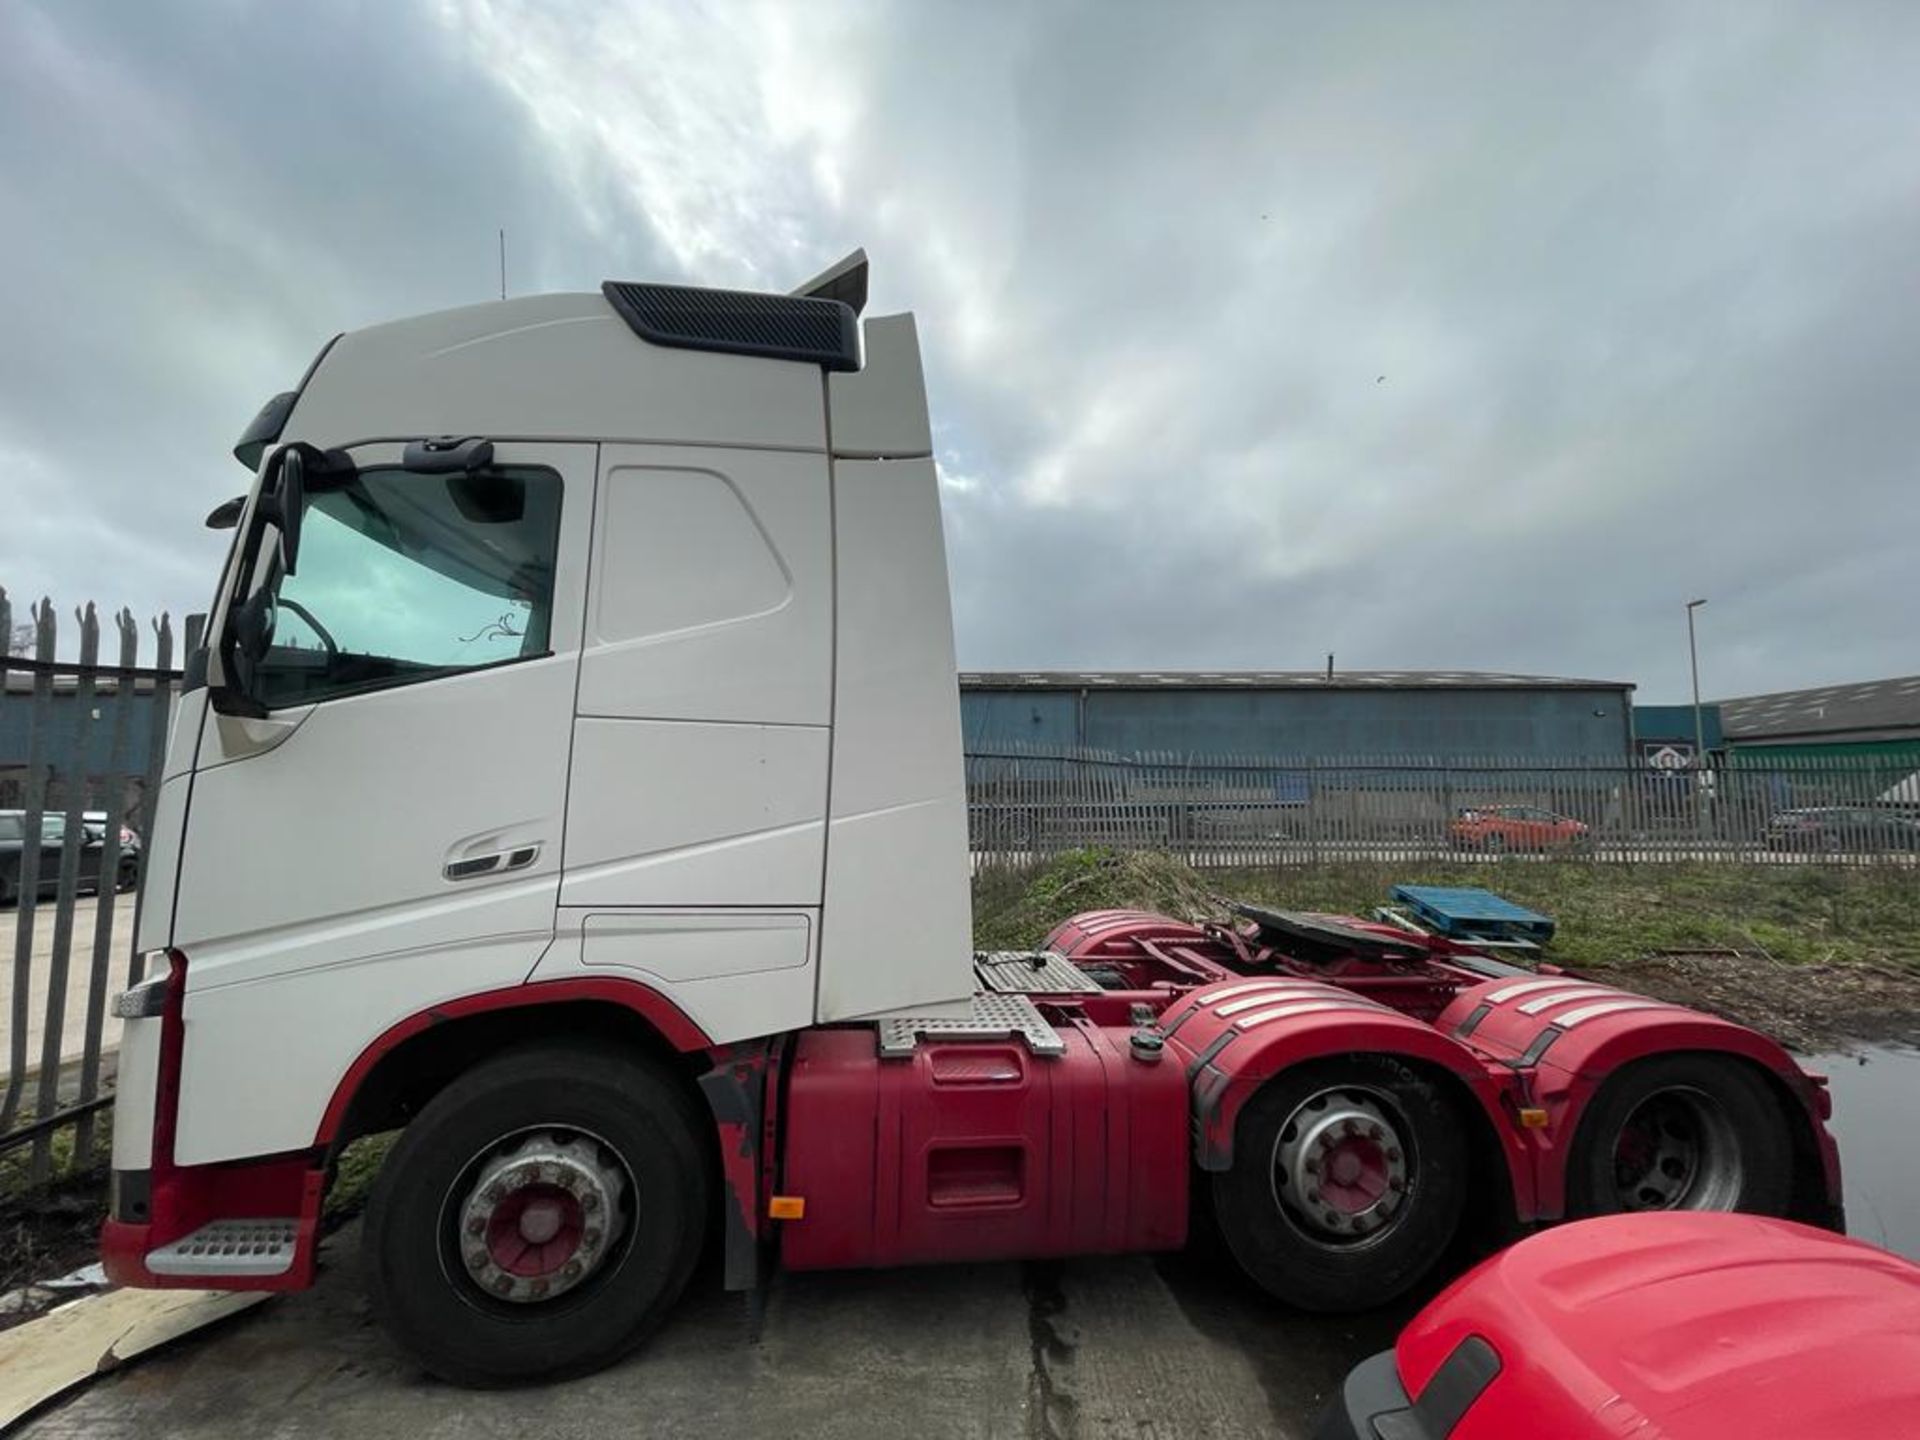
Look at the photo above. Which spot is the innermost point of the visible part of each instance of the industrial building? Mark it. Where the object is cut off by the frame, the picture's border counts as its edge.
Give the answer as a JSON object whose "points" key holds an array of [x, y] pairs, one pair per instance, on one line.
{"points": [[1667, 736], [1444, 714], [1874, 718]]}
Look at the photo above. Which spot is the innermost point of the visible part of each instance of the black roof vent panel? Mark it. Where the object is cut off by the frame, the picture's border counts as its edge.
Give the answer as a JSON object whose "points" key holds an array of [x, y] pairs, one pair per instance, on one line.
{"points": [[740, 322]]}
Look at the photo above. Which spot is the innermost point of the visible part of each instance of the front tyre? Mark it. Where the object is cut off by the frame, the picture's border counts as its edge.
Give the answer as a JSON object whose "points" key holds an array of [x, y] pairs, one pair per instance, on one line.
{"points": [[1348, 1181], [539, 1216], [1681, 1132]]}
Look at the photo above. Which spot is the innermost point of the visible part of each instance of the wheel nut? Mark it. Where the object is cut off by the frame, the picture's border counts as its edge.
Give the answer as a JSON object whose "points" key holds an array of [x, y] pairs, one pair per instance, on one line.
{"points": [[1313, 1197], [1312, 1167], [492, 1194], [1326, 1140], [590, 1202], [477, 1225], [1333, 1220], [1373, 1132], [504, 1285], [1350, 1127], [1393, 1156], [1395, 1185], [590, 1239], [537, 1289], [571, 1270], [477, 1259]]}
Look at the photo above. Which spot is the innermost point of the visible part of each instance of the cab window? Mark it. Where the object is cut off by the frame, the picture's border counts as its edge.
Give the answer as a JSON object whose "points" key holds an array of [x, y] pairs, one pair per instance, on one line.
{"points": [[406, 577]]}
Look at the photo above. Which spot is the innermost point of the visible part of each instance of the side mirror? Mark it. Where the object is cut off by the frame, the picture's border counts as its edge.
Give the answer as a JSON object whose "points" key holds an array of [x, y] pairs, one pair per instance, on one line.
{"points": [[226, 514], [283, 502], [253, 626], [249, 635]]}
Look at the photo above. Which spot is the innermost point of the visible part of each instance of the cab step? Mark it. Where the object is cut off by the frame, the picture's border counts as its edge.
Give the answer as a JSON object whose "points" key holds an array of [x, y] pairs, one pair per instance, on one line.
{"points": [[230, 1247]]}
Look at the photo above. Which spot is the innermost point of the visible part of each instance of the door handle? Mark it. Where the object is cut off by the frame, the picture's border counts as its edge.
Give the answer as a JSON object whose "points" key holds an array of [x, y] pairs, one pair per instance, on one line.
{"points": [[498, 863]]}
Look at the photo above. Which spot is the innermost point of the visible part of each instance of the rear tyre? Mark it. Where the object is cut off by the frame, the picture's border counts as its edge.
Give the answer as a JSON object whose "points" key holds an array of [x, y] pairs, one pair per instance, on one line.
{"points": [[1348, 1181], [1681, 1132], [539, 1217]]}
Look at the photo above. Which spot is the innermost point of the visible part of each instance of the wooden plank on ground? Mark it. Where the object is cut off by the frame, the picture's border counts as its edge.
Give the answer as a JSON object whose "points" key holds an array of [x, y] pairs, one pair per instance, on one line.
{"points": [[66, 1347]]}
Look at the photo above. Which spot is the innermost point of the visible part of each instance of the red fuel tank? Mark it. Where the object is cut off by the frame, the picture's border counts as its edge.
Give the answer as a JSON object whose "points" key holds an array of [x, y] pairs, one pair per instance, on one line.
{"points": [[981, 1150]]}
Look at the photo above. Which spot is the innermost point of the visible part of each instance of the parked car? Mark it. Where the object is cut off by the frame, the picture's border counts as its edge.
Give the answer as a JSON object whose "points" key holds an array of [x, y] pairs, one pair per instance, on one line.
{"points": [[96, 823], [1515, 827], [1687, 1325], [1831, 828], [53, 832]]}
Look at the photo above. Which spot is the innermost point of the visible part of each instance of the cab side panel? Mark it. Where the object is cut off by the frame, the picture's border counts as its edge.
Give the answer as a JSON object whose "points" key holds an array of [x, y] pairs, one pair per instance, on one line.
{"points": [[898, 828], [698, 785]]}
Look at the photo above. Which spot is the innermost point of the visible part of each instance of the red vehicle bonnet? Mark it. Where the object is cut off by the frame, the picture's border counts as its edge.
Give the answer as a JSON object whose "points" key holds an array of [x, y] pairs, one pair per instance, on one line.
{"points": [[1702, 1326]]}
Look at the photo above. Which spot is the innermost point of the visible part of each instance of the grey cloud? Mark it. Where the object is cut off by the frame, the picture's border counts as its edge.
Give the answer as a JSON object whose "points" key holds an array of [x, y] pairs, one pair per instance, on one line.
{"points": [[1640, 282]]}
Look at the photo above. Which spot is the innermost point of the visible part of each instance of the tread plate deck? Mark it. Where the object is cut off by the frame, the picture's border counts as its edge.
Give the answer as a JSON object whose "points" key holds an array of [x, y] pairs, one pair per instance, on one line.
{"points": [[1031, 972], [994, 1017]]}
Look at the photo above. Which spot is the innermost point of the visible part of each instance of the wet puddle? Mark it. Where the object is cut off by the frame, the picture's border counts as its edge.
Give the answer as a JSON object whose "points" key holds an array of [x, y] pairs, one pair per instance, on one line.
{"points": [[1876, 1100]]}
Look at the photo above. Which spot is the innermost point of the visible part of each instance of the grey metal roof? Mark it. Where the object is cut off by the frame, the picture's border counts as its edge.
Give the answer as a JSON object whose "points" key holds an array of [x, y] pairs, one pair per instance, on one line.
{"points": [[1273, 680], [1874, 709]]}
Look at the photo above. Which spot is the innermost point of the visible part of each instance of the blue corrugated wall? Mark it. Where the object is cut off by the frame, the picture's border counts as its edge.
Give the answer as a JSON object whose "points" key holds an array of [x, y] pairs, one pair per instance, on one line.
{"points": [[16, 730], [1443, 722]]}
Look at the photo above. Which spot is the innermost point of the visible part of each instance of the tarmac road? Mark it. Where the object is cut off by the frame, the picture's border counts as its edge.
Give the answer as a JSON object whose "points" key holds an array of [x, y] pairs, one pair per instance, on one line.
{"points": [[1178, 1346]]}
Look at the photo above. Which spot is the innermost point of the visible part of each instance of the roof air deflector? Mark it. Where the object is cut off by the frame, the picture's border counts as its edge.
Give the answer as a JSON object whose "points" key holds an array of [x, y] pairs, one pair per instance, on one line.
{"points": [[815, 330], [845, 280]]}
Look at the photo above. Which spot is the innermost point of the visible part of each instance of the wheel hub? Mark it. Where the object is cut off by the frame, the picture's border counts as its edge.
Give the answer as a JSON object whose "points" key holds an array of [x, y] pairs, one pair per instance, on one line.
{"points": [[1340, 1167], [1677, 1151], [542, 1214]]}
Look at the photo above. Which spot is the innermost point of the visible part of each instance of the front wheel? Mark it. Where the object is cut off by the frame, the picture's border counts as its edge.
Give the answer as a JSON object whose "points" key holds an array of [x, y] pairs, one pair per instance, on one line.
{"points": [[1681, 1132], [1348, 1182], [539, 1216]]}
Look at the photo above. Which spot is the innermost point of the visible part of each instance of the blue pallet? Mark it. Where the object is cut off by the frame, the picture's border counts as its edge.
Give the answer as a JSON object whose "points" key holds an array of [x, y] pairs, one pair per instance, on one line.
{"points": [[1466, 913]]}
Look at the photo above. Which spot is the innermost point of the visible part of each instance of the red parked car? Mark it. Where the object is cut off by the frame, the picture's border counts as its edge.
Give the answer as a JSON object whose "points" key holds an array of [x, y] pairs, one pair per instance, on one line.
{"points": [[1682, 1325], [1515, 827]]}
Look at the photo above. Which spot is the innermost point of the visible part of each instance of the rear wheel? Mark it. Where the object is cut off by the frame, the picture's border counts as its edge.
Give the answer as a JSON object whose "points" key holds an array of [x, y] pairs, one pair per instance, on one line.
{"points": [[1348, 1182], [539, 1217], [1682, 1132]]}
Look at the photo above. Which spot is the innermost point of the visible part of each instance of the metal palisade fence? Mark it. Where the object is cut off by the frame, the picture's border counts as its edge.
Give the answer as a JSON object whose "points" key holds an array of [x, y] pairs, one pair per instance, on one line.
{"points": [[82, 743], [1026, 802]]}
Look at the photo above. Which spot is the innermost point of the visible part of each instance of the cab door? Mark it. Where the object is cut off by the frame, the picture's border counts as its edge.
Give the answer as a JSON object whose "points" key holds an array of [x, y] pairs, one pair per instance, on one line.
{"points": [[387, 834]]}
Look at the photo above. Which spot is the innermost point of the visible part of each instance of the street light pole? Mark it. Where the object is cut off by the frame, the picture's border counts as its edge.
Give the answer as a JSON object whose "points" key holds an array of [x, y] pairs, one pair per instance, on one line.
{"points": [[1693, 655], [1699, 731]]}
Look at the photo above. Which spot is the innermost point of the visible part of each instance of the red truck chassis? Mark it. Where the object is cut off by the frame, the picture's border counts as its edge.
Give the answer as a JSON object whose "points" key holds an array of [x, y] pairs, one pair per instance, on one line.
{"points": [[1350, 1092]]}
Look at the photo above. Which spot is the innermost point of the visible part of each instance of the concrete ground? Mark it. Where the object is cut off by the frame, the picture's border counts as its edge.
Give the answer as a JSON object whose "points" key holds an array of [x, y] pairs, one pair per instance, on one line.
{"points": [[1178, 1346], [79, 971]]}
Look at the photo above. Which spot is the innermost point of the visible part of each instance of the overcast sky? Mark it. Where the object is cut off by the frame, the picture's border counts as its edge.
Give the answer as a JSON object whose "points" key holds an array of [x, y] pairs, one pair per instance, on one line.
{"points": [[1436, 336]]}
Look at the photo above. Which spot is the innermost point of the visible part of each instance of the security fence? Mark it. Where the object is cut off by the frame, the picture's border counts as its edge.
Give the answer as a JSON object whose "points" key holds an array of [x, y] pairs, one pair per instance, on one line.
{"points": [[1030, 801], [81, 747]]}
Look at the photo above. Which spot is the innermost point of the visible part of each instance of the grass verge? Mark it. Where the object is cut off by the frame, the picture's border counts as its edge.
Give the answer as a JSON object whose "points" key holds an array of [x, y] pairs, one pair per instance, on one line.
{"points": [[1810, 953]]}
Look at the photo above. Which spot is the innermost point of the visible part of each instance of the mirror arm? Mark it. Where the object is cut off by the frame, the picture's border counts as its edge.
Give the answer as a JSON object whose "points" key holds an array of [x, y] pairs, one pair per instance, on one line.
{"points": [[226, 700]]}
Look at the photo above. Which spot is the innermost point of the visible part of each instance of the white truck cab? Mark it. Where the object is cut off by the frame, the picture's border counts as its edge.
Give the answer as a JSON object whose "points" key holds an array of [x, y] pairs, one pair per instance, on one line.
{"points": [[639, 675]]}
